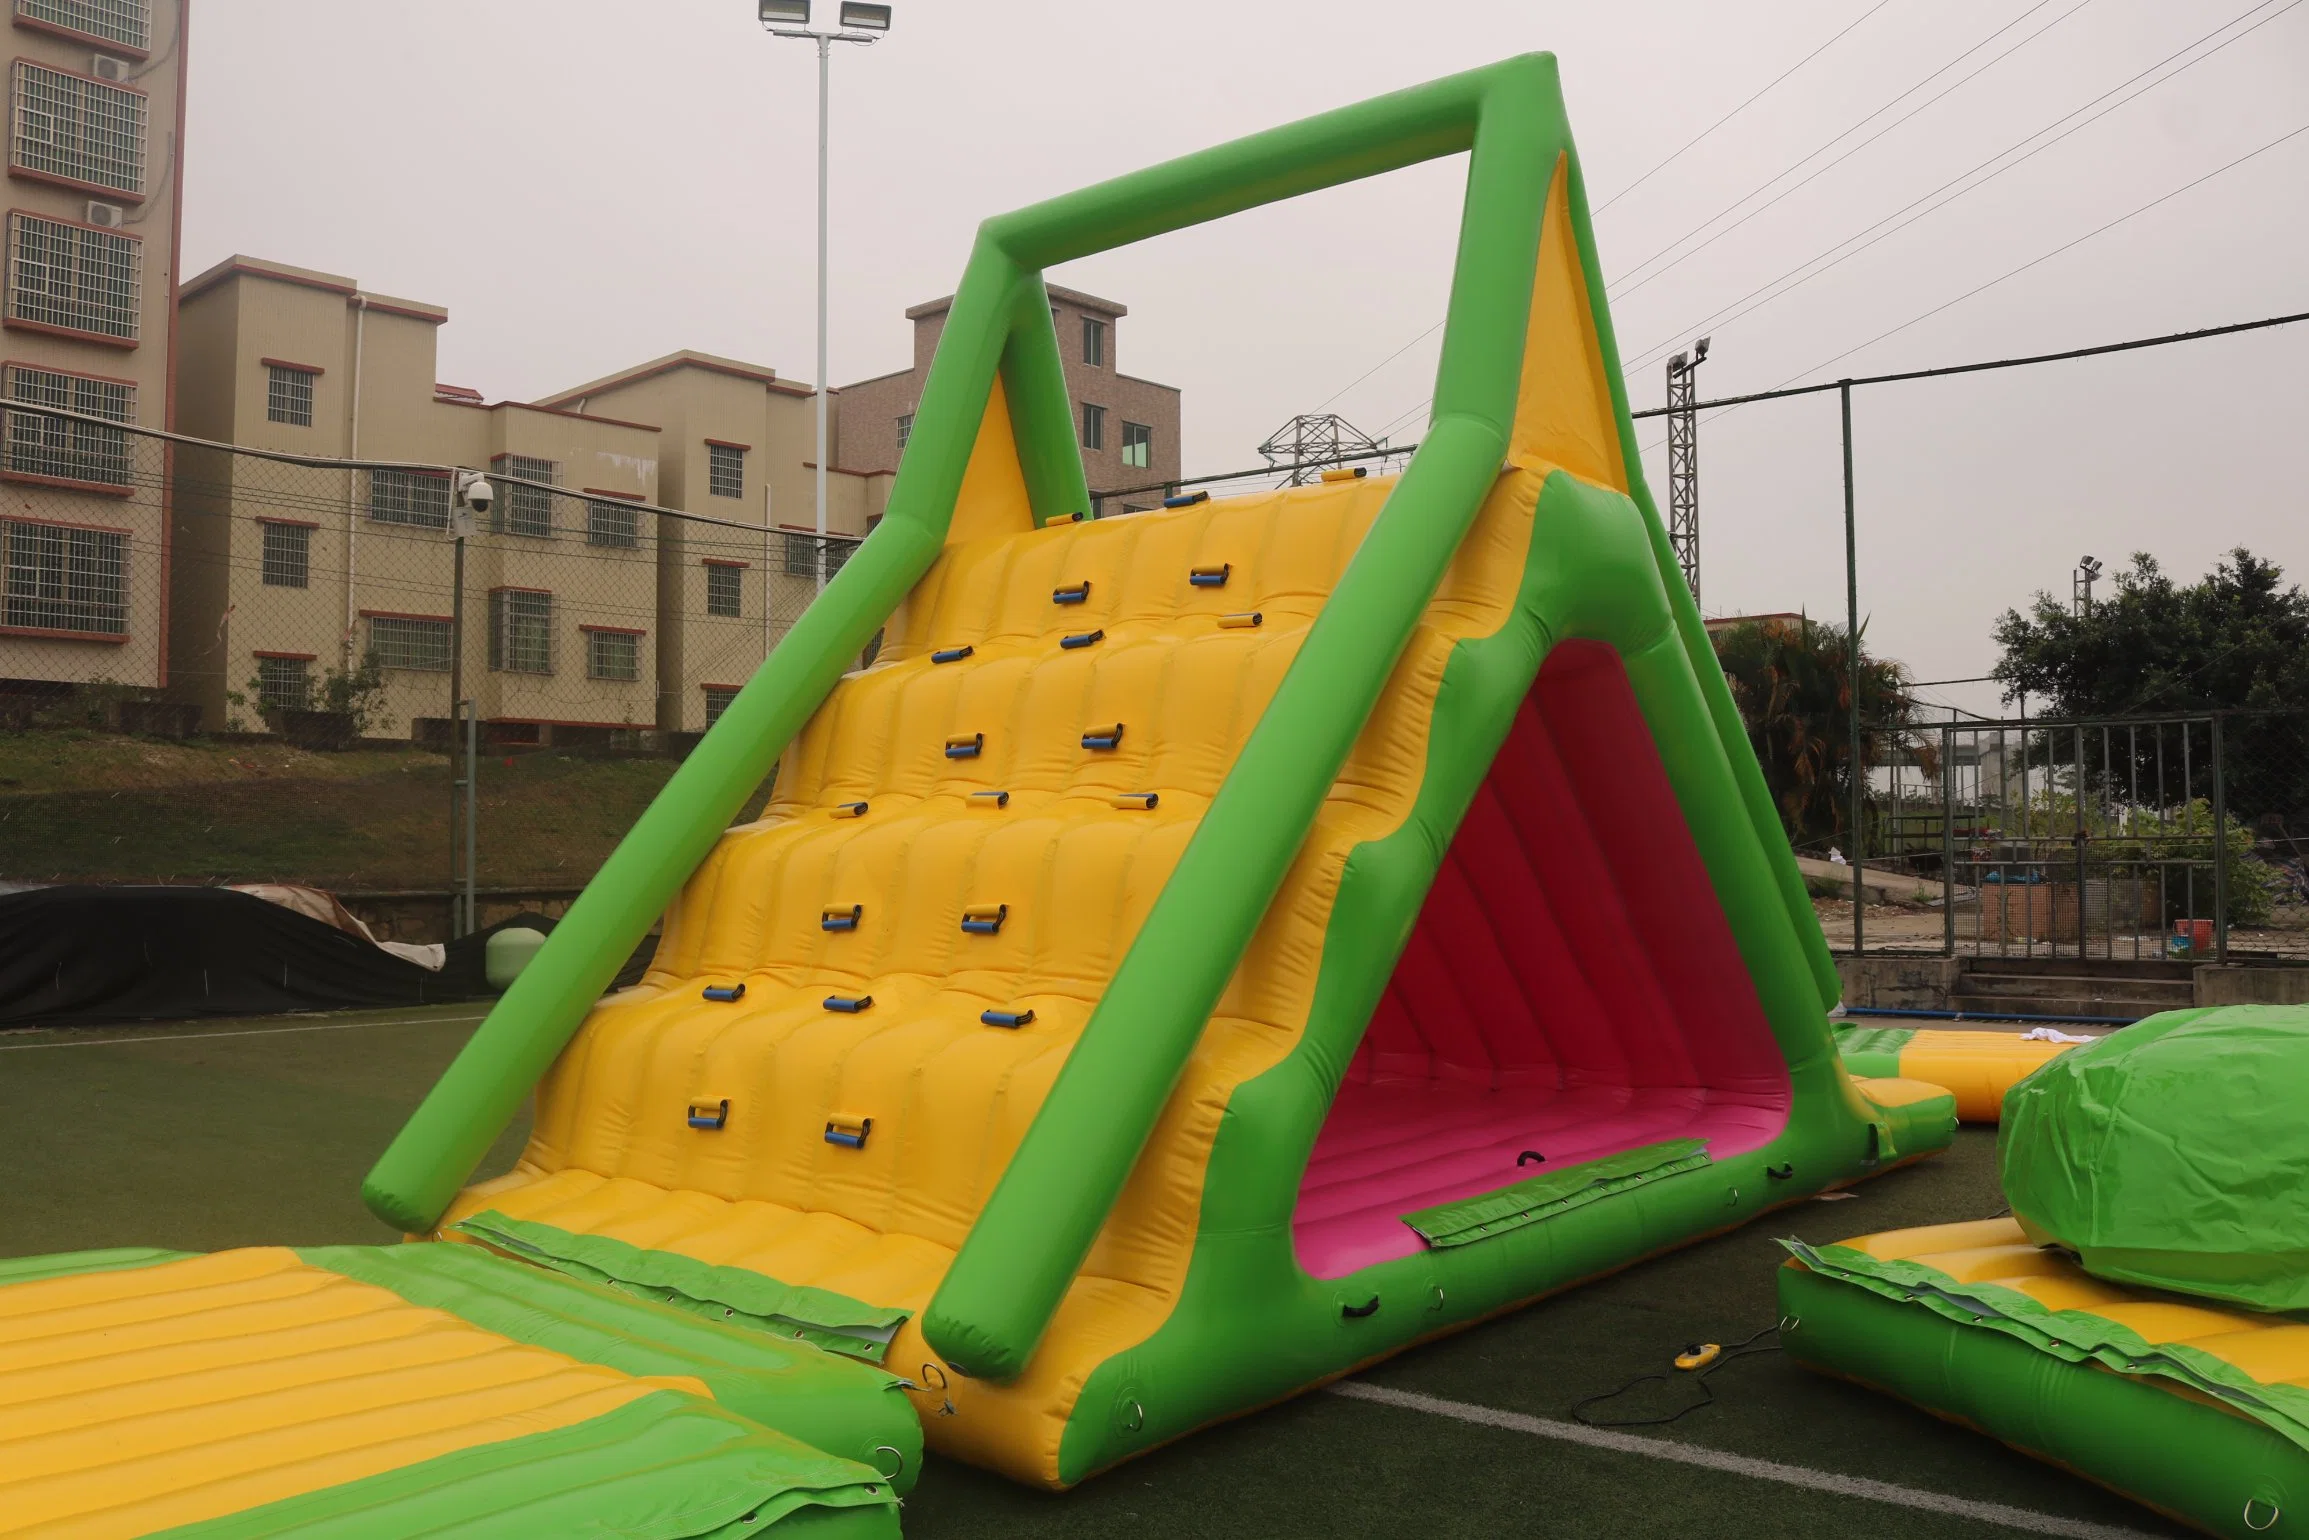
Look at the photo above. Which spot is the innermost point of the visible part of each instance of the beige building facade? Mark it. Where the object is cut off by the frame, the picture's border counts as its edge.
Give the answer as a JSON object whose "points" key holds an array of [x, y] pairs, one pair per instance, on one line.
{"points": [[1128, 427], [95, 164], [739, 444], [286, 574]]}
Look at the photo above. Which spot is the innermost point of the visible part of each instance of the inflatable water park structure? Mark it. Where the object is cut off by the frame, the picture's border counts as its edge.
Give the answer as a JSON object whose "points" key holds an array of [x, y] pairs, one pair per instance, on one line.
{"points": [[1206, 951]]}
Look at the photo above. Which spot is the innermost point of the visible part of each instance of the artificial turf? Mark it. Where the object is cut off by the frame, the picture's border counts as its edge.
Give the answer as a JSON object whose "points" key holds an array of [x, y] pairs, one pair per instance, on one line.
{"points": [[195, 1139]]}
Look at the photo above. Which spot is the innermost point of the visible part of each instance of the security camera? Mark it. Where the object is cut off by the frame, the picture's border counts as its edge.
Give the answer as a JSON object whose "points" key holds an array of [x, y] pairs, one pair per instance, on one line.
{"points": [[474, 490]]}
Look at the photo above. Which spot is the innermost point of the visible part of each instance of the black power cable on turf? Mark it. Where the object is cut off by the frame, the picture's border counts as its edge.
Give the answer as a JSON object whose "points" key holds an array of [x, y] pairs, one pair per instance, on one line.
{"points": [[1698, 1360]]}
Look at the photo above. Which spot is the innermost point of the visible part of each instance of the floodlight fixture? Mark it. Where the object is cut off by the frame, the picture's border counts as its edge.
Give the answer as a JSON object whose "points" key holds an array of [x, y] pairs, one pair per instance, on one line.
{"points": [[858, 16], [2090, 564], [785, 14], [1700, 351], [1678, 364]]}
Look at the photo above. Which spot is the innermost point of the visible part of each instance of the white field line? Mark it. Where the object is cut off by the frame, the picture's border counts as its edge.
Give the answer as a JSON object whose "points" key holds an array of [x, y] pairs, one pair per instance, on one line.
{"points": [[195, 1037], [2023, 1519]]}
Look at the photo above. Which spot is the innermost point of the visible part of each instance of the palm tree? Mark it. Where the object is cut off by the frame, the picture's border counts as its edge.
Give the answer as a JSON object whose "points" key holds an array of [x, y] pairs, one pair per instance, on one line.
{"points": [[1792, 680]]}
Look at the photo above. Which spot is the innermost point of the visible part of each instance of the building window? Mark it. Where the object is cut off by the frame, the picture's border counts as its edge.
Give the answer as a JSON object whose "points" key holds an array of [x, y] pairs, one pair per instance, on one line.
{"points": [[284, 684], [39, 445], [79, 129], [520, 631], [126, 22], [725, 470], [64, 578], [905, 430], [612, 523], [1094, 342], [524, 510], [288, 555], [802, 555], [613, 655], [69, 276], [405, 641], [718, 698], [1093, 426], [289, 395], [725, 589], [420, 498], [1137, 445]]}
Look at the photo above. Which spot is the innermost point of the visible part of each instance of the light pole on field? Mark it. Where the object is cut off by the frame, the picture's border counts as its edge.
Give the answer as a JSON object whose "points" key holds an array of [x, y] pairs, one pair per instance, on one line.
{"points": [[863, 24]]}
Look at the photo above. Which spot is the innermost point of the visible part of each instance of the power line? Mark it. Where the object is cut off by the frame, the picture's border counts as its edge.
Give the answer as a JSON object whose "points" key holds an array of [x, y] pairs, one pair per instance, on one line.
{"points": [[1743, 107], [1740, 307], [1856, 149]]}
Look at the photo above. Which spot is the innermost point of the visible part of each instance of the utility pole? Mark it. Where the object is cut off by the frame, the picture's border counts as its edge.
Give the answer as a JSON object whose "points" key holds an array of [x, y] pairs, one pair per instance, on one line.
{"points": [[1852, 667], [1684, 463], [1309, 442], [469, 497]]}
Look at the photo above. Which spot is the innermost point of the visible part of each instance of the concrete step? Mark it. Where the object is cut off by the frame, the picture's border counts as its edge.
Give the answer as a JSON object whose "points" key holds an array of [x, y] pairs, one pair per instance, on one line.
{"points": [[2092, 1006], [2163, 994]]}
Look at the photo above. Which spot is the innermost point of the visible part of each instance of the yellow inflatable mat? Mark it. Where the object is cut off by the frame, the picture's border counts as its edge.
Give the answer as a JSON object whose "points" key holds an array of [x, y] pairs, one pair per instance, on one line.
{"points": [[382, 1392], [2199, 1411], [1977, 1067]]}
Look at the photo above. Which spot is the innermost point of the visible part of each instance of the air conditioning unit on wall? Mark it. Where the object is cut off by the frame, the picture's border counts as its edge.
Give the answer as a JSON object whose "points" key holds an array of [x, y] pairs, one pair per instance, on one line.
{"points": [[105, 67], [106, 216]]}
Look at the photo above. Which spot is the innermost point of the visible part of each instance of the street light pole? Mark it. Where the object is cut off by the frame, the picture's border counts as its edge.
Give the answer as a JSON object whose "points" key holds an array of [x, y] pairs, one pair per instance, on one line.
{"points": [[863, 24]]}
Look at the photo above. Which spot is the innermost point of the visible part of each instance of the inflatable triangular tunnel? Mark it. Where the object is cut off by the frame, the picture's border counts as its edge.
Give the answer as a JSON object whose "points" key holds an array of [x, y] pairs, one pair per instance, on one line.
{"points": [[1208, 948]]}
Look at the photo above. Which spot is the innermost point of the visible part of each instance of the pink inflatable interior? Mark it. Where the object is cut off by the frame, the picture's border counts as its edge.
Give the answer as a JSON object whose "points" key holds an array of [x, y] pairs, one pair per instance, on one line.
{"points": [[1571, 988]]}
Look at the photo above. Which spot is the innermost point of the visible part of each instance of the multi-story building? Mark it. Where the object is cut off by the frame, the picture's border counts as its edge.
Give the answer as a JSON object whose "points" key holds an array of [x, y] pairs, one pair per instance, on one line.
{"points": [[286, 574], [583, 613], [738, 444], [95, 165], [1128, 427]]}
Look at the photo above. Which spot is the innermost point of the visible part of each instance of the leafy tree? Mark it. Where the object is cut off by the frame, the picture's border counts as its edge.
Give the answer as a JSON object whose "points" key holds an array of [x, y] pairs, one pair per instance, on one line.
{"points": [[1792, 680], [2237, 640]]}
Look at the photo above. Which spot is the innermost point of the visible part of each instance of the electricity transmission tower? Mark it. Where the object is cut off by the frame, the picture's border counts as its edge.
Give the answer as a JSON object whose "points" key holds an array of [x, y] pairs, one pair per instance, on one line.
{"points": [[1308, 443], [1684, 464]]}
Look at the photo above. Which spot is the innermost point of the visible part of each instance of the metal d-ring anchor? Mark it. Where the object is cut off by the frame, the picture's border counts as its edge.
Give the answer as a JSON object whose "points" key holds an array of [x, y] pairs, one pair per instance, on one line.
{"points": [[898, 1456], [933, 1377], [1435, 1298], [2275, 1513], [1137, 1418]]}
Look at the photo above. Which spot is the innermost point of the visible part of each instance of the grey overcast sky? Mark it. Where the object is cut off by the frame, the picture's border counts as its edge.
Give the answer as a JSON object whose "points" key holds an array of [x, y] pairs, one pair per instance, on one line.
{"points": [[587, 183]]}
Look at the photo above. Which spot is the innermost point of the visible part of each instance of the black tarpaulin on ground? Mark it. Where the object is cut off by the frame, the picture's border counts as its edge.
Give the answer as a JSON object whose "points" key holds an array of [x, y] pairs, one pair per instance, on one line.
{"points": [[82, 955]]}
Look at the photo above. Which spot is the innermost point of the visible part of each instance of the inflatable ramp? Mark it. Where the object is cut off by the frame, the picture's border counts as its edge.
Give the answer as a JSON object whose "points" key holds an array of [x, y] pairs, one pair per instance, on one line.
{"points": [[1210, 948], [2195, 1409], [361, 1392]]}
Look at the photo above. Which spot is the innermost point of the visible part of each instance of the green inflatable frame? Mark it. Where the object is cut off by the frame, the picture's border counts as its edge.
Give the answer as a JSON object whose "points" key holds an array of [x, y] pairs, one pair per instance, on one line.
{"points": [[1251, 1325]]}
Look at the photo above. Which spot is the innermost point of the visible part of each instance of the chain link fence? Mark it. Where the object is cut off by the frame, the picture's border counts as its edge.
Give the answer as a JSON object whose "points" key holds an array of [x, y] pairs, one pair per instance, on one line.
{"points": [[210, 657]]}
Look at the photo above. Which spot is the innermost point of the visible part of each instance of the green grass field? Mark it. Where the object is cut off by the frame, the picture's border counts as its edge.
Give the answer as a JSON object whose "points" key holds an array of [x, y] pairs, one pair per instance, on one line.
{"points": [[232, 1133]]}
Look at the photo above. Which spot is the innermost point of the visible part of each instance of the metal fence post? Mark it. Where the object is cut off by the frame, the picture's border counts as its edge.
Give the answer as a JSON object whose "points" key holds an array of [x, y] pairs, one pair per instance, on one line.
{"points": [[2220, 848], [1852, 669], [1948, 840]]}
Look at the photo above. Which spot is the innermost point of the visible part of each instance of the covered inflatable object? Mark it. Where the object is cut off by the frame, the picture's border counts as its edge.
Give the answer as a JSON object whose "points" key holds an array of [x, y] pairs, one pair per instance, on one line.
{"points": [[2171, 1154]]}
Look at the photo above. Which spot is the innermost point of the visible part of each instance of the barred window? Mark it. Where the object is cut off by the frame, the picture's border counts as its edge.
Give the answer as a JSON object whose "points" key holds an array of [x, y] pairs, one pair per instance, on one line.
{"points": [[1137, 445], [524, 510], [718, 698], [420, 498], [521, 631], [802, 555], [905, 430], [63, 578], [285, 684], [40, 445], [609, 522], [1093, 426], [725, 589], [79, 129], [404, 641], [288, 556], [289, 395], [126, 22], [725, 470], [1094, 342], [80, 279], [613, 655]]}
